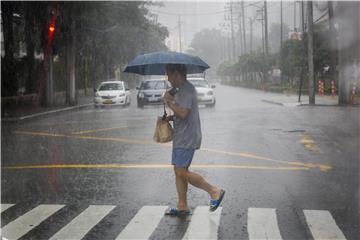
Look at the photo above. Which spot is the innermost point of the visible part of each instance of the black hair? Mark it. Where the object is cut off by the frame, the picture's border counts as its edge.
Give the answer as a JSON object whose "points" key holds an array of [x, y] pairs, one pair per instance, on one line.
{"points": [[180, 68]]}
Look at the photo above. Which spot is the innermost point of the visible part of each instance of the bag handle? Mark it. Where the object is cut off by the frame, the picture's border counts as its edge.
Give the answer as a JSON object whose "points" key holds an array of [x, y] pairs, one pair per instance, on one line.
{"points": [[165, 113]]}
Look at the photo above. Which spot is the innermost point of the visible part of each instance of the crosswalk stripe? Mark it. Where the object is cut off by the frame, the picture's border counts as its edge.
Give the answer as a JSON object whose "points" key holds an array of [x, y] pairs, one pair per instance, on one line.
{"points": [[262, 224], [322, 225], [143, 223], [6, 206], [79, 226], [29, 220], [203, 224]]}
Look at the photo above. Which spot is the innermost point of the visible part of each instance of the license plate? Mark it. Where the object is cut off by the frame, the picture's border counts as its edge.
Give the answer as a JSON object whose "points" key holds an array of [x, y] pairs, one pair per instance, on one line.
{"points": [[153, 99], [108, 102]]}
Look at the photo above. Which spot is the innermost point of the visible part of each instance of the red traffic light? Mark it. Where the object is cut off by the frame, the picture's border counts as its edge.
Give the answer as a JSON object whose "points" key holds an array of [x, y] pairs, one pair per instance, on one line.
{"points": [[51, 28]]}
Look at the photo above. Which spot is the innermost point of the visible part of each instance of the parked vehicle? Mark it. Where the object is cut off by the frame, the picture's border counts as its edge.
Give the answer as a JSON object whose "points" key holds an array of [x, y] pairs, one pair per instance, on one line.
{"points": [[205, 92], [151, 92], [112, 93]]}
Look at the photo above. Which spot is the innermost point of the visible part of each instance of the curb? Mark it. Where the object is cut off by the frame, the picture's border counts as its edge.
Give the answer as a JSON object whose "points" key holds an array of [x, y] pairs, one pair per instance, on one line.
{"points": [[35, 115], [272, 102]]}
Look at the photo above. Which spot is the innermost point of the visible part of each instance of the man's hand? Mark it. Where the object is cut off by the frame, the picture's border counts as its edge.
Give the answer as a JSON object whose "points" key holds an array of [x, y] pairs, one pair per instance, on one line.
{"points": [[168, 98], [169, 118]]}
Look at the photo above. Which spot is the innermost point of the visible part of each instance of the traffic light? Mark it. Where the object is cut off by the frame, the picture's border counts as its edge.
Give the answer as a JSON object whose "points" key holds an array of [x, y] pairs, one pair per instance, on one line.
{"points": [[51, 31], [53, 35], [51, 28]]}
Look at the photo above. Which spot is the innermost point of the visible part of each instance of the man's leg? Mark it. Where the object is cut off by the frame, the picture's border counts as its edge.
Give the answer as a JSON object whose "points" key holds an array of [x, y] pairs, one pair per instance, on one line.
{"points": [[198, 181], [181, 187]]}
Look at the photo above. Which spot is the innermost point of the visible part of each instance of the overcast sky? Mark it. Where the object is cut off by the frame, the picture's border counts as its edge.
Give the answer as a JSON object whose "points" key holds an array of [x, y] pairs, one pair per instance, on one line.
{"points": [[197, 15]]}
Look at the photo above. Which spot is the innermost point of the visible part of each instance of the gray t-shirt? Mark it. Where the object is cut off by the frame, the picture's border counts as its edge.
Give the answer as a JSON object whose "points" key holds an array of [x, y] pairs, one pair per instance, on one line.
{"points": [[187, 132]]}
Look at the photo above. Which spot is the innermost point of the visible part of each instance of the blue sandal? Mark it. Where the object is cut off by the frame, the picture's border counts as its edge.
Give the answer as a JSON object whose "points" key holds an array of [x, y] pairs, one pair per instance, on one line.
{"points": [[174, 212], [215, 203]]}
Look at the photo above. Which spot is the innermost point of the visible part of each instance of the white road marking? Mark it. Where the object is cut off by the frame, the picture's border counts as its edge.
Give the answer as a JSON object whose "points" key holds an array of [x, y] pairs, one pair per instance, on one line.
{"points": [[203, 224], [143, 223], [83, 223], [6, 206], [29, 220], [322, 225], [262, 224]]}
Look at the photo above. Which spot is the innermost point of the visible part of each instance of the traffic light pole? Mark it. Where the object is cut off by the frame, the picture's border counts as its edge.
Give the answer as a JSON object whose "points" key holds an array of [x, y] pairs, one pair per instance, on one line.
{"points": [[50, 82], [310, 53]]}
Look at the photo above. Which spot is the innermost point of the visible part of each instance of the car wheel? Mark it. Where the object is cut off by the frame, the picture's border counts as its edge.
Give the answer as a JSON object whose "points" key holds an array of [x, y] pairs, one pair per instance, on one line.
{"points": [[140, 105], [211, 105]]}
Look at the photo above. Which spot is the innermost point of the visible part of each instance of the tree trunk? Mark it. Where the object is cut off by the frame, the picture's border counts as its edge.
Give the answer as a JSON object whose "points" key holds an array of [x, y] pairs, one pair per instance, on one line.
{"points": [[30, 83], [71, 60], [9, 81]]}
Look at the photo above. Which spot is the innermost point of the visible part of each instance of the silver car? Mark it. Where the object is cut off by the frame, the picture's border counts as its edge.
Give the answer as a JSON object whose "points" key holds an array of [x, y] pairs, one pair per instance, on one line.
{"points": [[151, 92]]}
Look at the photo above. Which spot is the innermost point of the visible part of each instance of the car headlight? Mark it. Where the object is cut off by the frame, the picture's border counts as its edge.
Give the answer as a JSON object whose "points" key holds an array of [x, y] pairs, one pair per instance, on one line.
{"points": [[210, 93], [121, 94], [141, 95], [97, 94]]}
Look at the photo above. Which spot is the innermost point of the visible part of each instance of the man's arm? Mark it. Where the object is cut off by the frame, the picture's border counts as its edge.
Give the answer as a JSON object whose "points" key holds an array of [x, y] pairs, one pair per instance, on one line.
{"points": [[178, 110]]}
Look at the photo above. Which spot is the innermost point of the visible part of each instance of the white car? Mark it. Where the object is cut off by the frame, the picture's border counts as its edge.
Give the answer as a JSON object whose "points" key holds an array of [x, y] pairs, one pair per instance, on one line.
{"points": [[112, 93], [205, 92]]}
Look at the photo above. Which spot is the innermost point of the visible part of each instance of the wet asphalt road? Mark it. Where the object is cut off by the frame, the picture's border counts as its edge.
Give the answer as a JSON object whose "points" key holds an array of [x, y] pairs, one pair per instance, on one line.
{"points": [[265, 156]]}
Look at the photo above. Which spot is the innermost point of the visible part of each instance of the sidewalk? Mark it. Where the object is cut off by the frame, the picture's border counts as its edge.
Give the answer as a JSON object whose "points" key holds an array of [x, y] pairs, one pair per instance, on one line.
{"points": [[22, 112], [291, 100]]}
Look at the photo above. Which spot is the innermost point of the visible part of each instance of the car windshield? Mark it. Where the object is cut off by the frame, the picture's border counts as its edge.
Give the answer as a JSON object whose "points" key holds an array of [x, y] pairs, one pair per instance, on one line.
{"points": [[153, 85], [199, 83], [111, 86]]}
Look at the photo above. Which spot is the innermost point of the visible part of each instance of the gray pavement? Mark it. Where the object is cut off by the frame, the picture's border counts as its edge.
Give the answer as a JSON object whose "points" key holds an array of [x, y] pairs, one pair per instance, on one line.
{"points": [[22, 112]]}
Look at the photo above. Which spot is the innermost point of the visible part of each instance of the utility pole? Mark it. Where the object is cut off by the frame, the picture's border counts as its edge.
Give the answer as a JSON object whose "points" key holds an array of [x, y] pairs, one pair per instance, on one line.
{"points": [[333, 43], [241, 48], [266, 30], [281, 24], [266, 77], [295, 16], [310, 53], [302, 73], [251, 34], [244, 30], [232, 32], [179, 27], [262, 29], [281, 38]]}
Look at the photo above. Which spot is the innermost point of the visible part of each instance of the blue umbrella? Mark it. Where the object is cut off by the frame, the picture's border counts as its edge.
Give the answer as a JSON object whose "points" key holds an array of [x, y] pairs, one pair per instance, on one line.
{"points": [[155, 63]]}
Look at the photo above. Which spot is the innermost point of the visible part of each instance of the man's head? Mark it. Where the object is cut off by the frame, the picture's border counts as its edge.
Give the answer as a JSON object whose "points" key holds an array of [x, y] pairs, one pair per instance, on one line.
{"points": [[176, 74]]}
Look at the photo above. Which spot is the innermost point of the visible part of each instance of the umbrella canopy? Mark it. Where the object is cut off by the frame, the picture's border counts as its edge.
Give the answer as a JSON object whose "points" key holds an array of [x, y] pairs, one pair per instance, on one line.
{"points": [[155, 63]]}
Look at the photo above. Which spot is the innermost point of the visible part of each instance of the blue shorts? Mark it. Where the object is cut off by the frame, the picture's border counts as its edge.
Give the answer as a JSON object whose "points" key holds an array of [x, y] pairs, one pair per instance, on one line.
{"points": [[182, 157]]}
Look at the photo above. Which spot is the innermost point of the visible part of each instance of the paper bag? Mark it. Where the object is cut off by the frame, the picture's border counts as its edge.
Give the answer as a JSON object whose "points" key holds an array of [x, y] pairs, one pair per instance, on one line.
{"points": [[163, 131]]}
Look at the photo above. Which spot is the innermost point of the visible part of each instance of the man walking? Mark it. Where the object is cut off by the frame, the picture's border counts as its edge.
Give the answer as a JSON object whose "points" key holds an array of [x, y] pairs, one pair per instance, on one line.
{"points": [[187, 138]]}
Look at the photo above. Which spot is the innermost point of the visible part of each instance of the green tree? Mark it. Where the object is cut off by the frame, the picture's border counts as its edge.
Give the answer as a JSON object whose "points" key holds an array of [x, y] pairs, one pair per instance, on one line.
{"points": [[107, 36], [293, 59]]}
